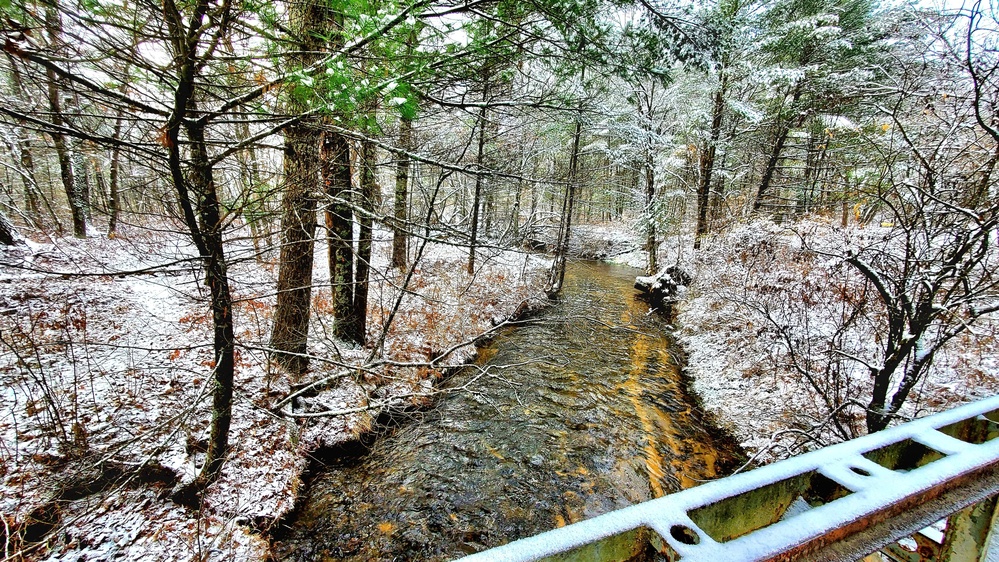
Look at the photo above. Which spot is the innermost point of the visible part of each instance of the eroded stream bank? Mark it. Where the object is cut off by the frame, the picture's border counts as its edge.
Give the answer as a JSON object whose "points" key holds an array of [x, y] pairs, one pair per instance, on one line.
{"points": [[578, 413]]}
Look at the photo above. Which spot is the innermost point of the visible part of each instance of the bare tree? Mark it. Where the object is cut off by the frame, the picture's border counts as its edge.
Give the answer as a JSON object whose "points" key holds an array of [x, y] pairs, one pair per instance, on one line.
{"points": [[936, 272]]}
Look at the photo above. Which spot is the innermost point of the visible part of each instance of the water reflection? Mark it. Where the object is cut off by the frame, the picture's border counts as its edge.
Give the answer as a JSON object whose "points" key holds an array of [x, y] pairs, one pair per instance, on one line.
{"points": [[578, 413]]}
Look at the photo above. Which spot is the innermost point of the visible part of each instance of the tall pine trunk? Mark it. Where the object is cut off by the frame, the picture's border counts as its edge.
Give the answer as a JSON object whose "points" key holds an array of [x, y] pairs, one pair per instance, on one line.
{"points": [[708, 164], [477, 194], [290, 334], [399, 238], [557, 274], [367, 203], [651, 242], [114, 198], [289, 337], [335, 158], [28, 180]]}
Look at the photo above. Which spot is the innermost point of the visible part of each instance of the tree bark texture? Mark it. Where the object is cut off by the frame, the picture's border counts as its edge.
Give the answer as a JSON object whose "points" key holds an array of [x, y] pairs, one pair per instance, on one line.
{"points": [[399, 238], [363, 269], [114, 198], [708, 165], [477, 194], [53, 28], [289, 337], [217, 278], [651, 244], [335, 157], [198, 199], [28, 180]]}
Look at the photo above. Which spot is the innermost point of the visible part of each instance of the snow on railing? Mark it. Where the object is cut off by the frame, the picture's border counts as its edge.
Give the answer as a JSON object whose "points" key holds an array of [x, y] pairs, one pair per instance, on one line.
{"points": [[841, 502]]}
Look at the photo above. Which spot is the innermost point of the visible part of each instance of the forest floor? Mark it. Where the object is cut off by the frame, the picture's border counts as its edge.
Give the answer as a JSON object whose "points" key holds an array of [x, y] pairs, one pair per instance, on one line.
{"points": [[105, 365]]}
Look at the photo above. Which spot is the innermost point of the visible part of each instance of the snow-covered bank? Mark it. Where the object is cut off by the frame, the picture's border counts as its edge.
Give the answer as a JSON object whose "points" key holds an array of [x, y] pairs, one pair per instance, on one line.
{"points": [[106, 369], [773, 339]]}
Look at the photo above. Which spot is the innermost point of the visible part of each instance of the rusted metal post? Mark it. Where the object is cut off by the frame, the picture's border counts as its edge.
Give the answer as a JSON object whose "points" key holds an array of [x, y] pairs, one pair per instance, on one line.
{"points": [[966, 537]]}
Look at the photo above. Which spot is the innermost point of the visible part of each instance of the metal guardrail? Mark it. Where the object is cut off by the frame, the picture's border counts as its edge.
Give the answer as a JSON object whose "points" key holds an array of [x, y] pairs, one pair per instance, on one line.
{"points": [[841, 502]]}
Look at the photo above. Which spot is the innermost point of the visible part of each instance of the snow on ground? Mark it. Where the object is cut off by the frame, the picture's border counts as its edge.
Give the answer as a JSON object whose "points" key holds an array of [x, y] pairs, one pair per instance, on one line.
{"points": [[105, 357], [757, 292], [105, 366], [762, 305]]}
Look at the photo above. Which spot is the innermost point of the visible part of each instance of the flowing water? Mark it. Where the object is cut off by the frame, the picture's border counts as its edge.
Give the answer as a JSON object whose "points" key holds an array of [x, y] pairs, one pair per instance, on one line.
{"points": [[580, 412]]}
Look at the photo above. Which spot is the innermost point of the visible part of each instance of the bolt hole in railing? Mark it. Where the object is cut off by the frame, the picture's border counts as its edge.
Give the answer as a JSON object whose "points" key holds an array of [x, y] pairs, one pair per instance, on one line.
{"points": [[684, 534], [860, 471], [843, 502]]}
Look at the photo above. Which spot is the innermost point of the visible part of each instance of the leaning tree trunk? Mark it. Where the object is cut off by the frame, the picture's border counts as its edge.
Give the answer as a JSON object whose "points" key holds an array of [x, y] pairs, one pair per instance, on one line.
{"points": [[53, 28], [217, 278], [771, 167], [199, 203], [557, 274]]}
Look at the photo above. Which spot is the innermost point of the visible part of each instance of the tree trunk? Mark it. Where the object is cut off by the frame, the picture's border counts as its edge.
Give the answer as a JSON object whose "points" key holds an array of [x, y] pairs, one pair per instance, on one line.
{"points": [[30, 184], [651, 244], [289, 337], [81, 179], [771, 167], [207, 235], [216, 276], [335, 165], [101, 184], [368, 190], [708, 164], [477, 197], [782, 133], [401, 193], [53, 28], [557, 274], [255, 211], [114, 200], [515, 213]]}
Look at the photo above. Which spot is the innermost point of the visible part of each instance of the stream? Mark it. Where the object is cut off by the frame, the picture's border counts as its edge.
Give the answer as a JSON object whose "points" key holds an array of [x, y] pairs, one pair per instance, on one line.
{"points": [[577, 413]]}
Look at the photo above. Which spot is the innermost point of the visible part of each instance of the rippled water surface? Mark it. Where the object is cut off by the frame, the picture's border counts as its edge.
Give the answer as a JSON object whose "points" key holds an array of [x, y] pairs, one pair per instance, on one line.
{"points": [[578, 413]]}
